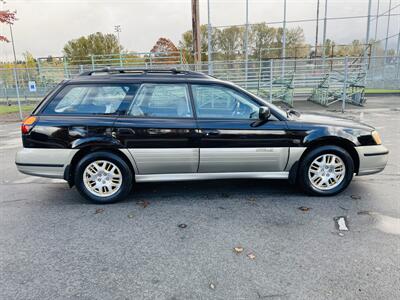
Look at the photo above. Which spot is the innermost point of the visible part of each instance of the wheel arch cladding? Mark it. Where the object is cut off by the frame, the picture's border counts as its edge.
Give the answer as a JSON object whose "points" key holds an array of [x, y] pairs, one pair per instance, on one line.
{"points": [[327, 141], [70, 170]]}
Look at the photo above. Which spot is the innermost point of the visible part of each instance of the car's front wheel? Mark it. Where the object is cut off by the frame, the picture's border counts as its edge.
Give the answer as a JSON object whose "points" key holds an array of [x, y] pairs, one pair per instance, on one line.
{"points": [[103, 177], [326, 171]]}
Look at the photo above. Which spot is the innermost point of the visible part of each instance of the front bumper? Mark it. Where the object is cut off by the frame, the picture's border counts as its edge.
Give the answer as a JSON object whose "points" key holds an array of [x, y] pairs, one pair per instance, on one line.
{"points": [[44, 162], [373, 159]]}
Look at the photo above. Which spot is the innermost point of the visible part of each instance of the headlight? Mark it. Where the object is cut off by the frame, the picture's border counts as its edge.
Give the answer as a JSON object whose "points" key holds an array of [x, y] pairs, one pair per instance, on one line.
{"points": [[376, 137]]}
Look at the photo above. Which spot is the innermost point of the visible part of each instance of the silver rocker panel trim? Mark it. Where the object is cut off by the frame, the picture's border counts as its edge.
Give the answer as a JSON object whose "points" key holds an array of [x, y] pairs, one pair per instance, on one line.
{"points": [[210, 176]]}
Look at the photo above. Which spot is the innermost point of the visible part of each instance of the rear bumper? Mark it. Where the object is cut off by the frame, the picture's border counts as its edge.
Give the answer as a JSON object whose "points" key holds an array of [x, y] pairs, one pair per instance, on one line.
{"points": [[44, 162], [373, 159]]}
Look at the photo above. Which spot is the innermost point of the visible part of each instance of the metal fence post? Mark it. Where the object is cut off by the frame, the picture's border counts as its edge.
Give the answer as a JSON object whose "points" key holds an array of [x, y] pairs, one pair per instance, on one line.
{"points": [[209, 37], [344, 96], [180, 57], [92, 59], [15, 72], [271, 76], [17, 90], [283, 41], [246, 44], [65, 67], [259, 74]]}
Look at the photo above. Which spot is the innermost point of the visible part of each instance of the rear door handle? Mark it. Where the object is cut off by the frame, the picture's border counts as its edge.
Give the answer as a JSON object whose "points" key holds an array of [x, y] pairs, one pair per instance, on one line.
{"points": [[125, 131]]}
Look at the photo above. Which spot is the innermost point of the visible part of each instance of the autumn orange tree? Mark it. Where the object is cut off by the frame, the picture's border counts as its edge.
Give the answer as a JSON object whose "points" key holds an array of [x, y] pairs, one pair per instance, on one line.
{"points": [[6, 17], [166, 52]]}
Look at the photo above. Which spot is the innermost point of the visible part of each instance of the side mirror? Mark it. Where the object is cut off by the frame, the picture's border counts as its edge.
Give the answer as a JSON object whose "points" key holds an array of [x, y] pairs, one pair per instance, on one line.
{"points": [[264, 113]]}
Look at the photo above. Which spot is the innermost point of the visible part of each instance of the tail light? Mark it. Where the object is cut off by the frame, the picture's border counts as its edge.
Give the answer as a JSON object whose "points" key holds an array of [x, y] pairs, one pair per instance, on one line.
{"points": [[27, 124]]}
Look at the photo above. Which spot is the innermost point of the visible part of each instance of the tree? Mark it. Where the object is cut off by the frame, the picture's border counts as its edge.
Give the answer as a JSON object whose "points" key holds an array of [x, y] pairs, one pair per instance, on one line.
{"points": [[262, 37], [295, 42], [6, 17], [230, 42], [186, 44], [79, 50], [165, 51], [30, 61]]}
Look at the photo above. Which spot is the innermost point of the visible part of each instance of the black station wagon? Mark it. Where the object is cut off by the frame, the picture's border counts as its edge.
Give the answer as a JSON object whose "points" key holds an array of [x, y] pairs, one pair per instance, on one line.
{"points": [[105, 130]]}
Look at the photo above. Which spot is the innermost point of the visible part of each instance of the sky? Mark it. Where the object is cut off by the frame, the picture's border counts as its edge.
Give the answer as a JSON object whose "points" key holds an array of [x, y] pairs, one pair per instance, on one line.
{"points": [[44, 26]]}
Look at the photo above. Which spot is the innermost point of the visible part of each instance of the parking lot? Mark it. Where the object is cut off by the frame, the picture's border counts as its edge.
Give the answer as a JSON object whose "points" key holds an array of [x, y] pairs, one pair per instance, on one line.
{"points": [[178, 240]]}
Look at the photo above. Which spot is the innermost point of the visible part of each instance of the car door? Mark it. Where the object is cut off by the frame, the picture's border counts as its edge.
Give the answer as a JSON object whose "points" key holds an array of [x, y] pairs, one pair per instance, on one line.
{"points": [[232, 137], [159, 129]]}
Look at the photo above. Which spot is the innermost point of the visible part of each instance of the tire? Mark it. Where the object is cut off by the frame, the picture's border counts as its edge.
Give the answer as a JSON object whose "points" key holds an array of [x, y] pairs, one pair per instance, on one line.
{"points": [[103, 177], [319, 178]]}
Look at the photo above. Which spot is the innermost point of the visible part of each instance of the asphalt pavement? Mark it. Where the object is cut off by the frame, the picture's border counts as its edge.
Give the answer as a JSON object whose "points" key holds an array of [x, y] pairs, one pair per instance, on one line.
{"points": [[178, 240]]}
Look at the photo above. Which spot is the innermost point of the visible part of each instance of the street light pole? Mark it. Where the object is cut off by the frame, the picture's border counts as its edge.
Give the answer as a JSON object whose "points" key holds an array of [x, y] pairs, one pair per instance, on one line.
{"points": [[117, 29], [15, 72]]}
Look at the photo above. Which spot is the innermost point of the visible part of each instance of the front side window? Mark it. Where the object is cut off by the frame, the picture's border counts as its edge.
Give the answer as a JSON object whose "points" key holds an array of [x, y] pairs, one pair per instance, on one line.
{"points": [[89, 99], [162, 101], [214, 101]]}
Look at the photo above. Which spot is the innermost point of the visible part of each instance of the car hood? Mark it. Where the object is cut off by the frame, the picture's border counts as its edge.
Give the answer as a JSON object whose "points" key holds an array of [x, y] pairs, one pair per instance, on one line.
{"points": [[320, 119]]}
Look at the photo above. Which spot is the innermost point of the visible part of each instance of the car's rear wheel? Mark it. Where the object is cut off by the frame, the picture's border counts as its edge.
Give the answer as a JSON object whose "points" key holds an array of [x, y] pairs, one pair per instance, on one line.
{"points": [[326, 171], [103, 177]]}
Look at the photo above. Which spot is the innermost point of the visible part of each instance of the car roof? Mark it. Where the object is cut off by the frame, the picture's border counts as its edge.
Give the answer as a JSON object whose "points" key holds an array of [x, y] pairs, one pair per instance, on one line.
{"points": [[126, 74]]}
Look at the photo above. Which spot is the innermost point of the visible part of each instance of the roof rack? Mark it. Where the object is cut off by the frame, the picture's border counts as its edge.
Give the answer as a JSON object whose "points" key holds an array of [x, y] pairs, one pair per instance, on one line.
{"points": [[133, 71]]}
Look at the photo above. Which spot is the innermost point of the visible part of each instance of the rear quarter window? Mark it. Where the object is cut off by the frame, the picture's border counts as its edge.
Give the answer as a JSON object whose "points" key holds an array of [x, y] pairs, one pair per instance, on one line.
{"points": [[87, 99]]}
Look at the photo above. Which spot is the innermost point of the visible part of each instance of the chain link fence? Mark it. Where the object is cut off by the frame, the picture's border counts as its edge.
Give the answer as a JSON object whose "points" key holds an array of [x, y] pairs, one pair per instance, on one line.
{"points": [[265, 77]]}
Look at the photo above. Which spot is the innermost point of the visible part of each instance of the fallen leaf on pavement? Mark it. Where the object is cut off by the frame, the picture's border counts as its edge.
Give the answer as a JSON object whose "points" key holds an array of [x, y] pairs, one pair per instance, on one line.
{"points": [[252, 256], [99, 210], [238, 249], [144, 204], [303, 208]]}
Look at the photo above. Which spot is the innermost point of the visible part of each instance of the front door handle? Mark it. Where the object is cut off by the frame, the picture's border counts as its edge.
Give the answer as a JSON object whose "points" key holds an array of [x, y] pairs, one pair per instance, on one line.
{"points": [[211, 132]]}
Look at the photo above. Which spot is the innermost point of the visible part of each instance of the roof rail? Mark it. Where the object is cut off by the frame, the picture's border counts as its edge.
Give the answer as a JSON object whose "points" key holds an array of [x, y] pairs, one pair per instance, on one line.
{"points": [[134, 71]]}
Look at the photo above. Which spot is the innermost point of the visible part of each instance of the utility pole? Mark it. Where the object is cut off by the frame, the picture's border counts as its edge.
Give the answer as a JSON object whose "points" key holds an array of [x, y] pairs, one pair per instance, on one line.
{"points": [[117, 29], [209, 37], [15, 72], [196, 32], [316, 31]]}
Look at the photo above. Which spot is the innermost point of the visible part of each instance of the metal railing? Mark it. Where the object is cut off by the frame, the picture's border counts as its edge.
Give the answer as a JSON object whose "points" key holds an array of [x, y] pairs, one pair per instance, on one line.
{"points": [[380, 72]]}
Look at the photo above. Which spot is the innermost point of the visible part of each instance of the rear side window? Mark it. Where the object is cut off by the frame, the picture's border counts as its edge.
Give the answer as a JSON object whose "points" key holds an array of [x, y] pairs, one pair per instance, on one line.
{"points": [[90, 99], [162, 101]]}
